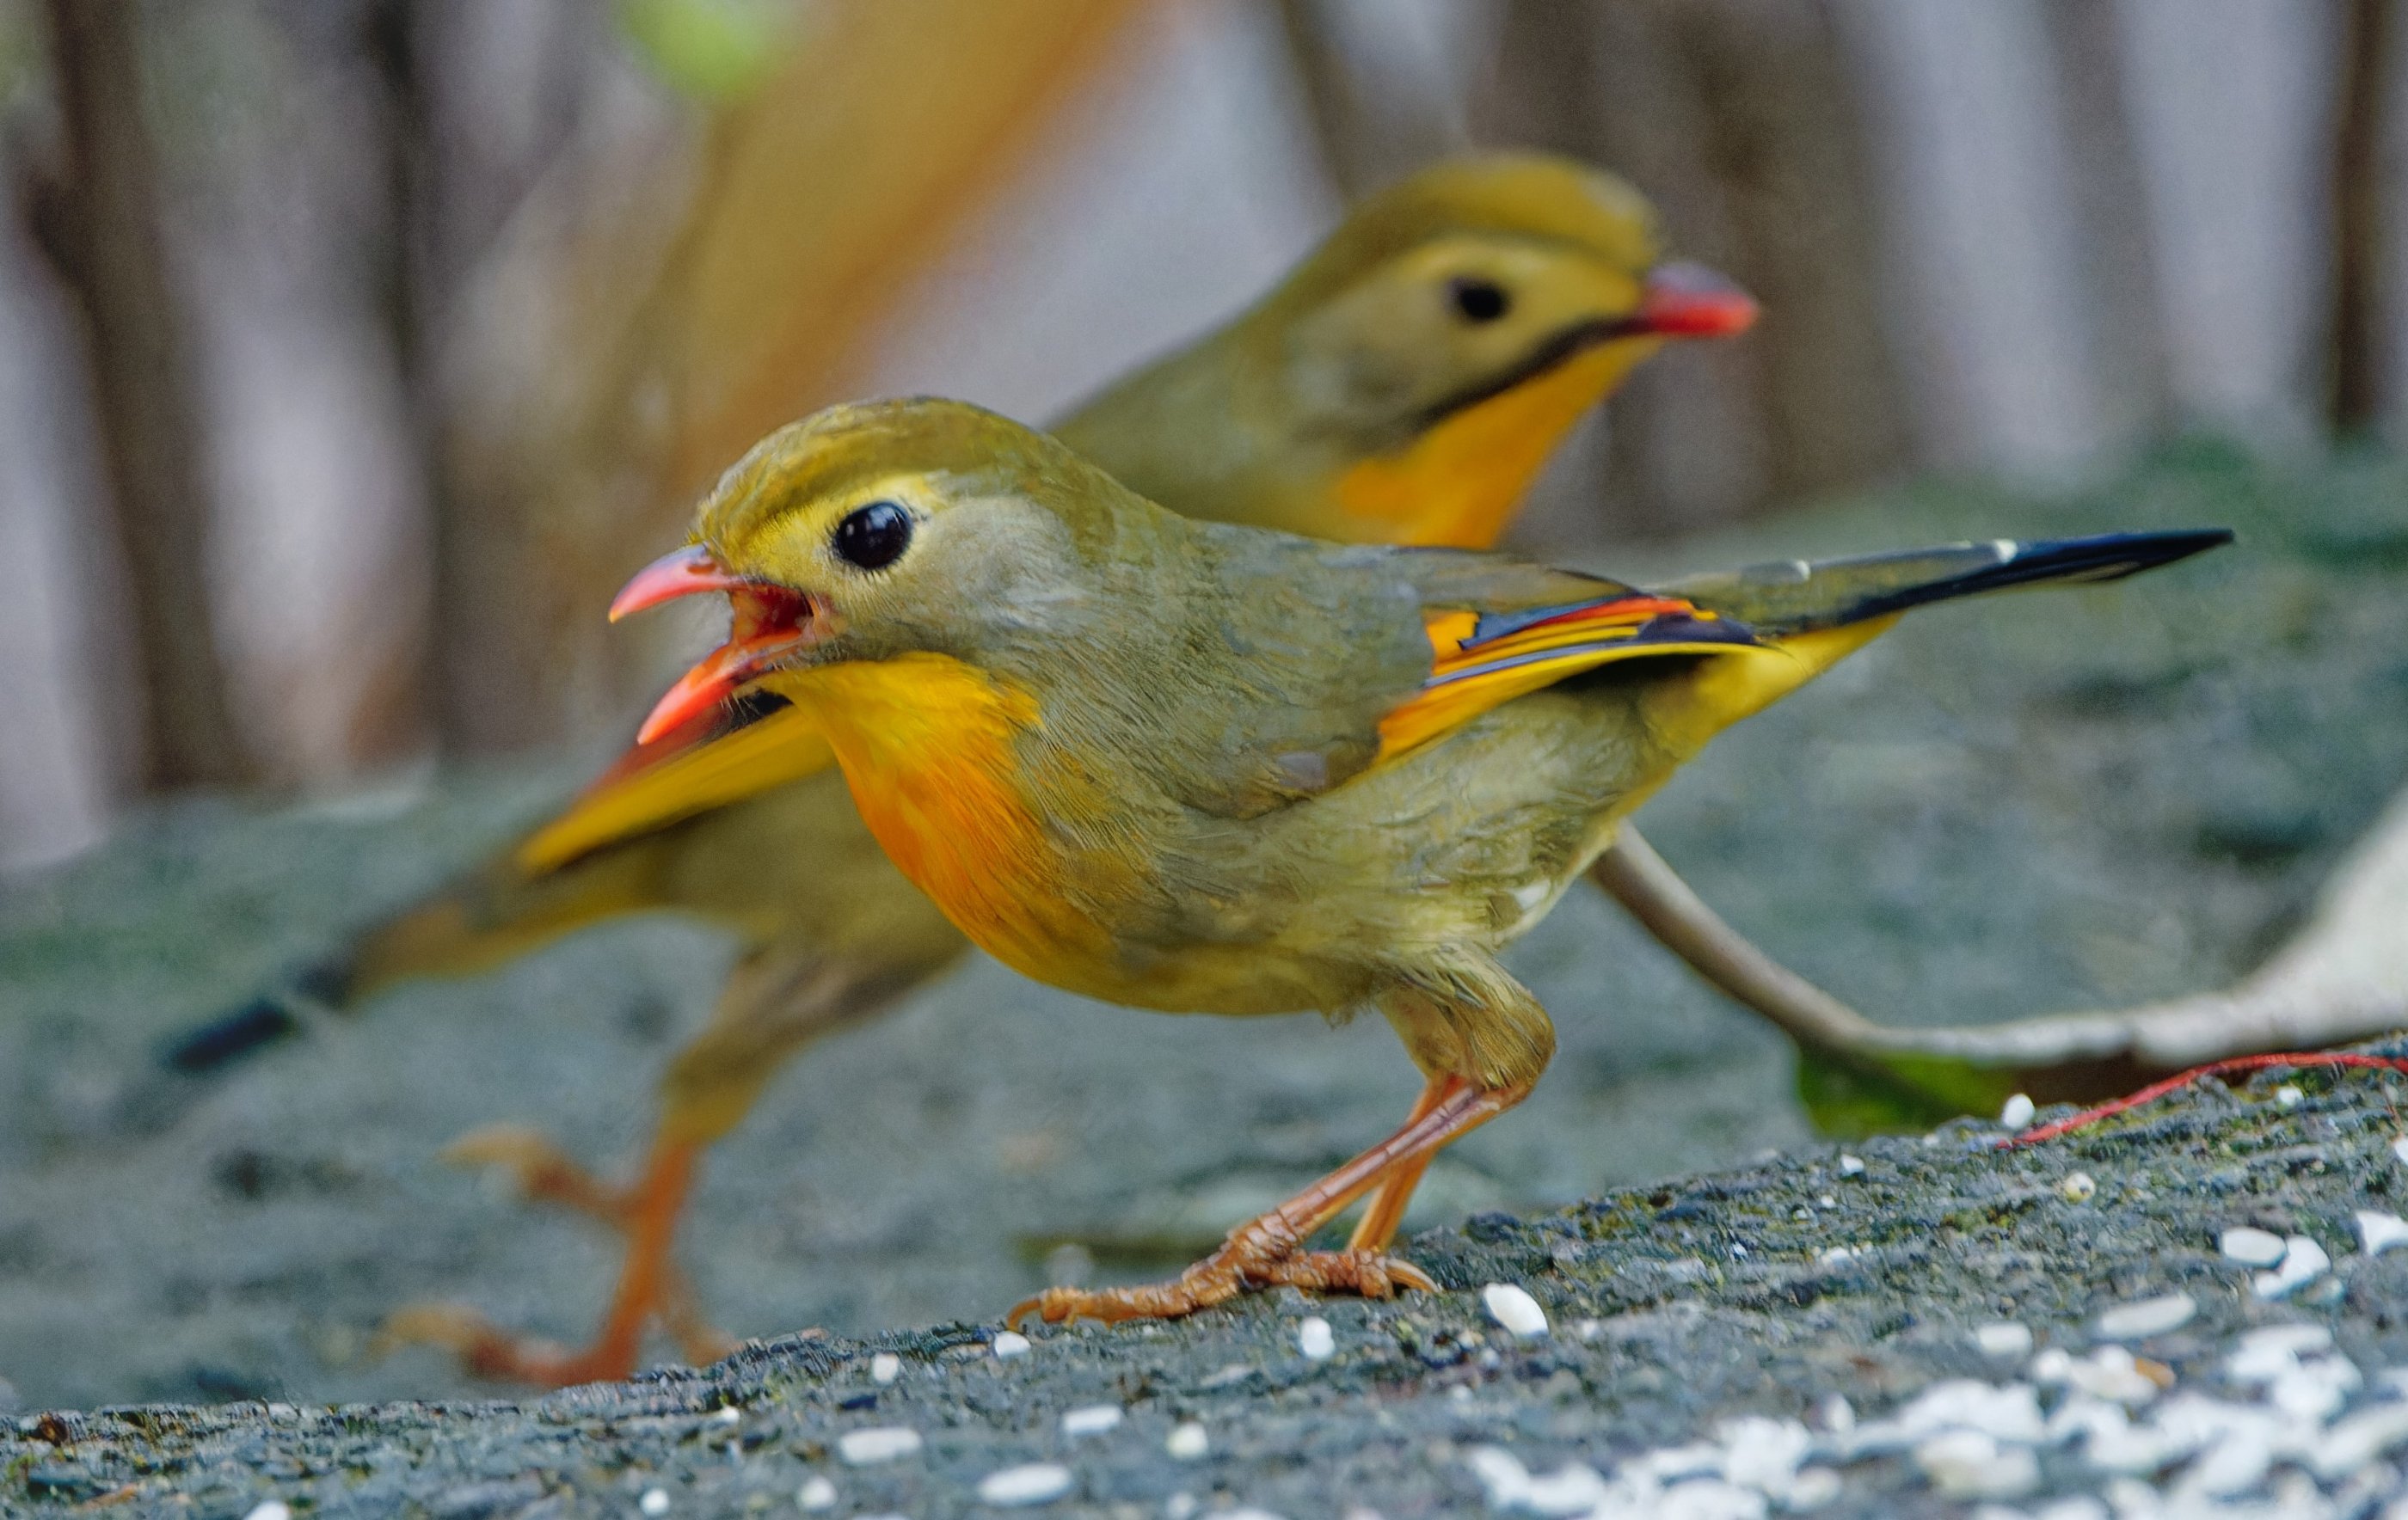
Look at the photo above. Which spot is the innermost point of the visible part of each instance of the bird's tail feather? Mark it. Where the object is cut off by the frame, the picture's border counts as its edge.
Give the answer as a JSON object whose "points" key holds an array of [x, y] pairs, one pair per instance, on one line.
{"points": [[1790, 597], [483, 919]]}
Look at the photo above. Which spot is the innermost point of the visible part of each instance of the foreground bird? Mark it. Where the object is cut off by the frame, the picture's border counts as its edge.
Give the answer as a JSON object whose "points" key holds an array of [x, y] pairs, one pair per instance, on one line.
{"points": [[1404, 384], [1210, 769]]}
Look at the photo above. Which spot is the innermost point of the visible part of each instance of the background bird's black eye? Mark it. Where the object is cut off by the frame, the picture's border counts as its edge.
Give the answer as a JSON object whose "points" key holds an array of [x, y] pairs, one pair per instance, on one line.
{"points": [[873, 536], [1479, 300]]}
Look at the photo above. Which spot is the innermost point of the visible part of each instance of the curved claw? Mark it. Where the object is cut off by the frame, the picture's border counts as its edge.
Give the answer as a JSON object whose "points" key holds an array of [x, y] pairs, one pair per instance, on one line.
{"points": [[542, 1170], [1219, 1278]]}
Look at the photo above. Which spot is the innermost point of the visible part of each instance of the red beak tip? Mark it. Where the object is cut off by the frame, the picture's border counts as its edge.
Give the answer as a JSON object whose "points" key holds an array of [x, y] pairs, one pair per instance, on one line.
{"points": [[686, 572]]}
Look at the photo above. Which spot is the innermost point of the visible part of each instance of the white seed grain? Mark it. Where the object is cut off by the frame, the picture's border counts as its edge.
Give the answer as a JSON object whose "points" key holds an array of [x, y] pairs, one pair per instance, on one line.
{"points": [[1090, 1419], [885, 1366], [2399, 1150], [1009, 1343], [2018, 1111], [815, 1494], [275, 1508], [2379, 1232], [655, 1501], [882, 1443], [1187, 1442], [1514, 1308], [2005, 1339], [2303, 1262], [1851, 1167], [2250, 1247], [1314, 1338], [2290, 1096], [2079, 1187], [2143, 1318], [1031, 1483], [1179, 1506]]}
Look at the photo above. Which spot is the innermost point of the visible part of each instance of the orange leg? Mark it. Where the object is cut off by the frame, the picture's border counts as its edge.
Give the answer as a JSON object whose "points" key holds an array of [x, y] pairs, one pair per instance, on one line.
{"points": [[649, 1283], [1386, 1210], [1268, 1251]]}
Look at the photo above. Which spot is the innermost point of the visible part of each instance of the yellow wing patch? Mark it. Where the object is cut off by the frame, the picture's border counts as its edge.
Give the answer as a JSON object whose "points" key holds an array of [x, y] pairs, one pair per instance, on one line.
{"points": [[658, 784], [1483, 662]]}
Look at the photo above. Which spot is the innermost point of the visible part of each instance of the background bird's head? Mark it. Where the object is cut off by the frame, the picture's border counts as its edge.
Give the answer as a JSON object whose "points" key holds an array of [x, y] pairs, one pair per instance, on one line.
{"points": [[871, 530], [1472, 279]]}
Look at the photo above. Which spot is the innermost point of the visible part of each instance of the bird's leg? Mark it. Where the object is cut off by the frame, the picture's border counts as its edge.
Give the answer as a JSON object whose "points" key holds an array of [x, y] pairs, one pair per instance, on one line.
{"points": [[1386, 1210], [648, 1285], [1268, 1251]]}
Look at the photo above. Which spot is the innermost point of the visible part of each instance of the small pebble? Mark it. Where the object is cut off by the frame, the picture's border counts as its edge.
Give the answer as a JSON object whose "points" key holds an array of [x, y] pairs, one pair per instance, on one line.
{"points": [[2250, 1247], [1008, 1343], [1833, 1256], [2144, 1318], [2303, 1262], [727, 1414], [1090, 1419], [884, 1443], [816, 1494], [1187, 1442], [1589, 1330], [2379, 1232], [1179, 1506], [1813, 1488], [275, 1508], [655, 1501], [2005, 1339], [1514, 1308], [1971, 1464], [885, 1366], [2400, 1149], [2018, 1112], [1851, 1167], [1837, 1414], [1314, 1339], [1032, 1483], [2290, 1096], [2078, 1188]]}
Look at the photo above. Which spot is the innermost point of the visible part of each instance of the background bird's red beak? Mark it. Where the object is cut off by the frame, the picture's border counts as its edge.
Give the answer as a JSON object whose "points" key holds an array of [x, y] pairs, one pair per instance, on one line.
{"points": [[1691, 301]]}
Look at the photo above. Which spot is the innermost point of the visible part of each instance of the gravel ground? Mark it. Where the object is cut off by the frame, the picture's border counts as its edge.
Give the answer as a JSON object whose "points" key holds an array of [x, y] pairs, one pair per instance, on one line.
{"points": [[1897, 1326], [2052, 801]]}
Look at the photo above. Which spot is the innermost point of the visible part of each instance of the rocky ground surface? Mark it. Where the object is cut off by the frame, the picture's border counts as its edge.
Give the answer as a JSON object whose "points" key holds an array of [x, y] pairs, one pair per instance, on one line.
{"points": [[2035, 802], [2187, 1312]]}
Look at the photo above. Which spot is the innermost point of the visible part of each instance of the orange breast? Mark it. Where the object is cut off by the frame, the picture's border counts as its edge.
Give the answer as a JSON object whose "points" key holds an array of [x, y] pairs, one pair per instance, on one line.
{"points": [[1458, 485], [929, 745]]}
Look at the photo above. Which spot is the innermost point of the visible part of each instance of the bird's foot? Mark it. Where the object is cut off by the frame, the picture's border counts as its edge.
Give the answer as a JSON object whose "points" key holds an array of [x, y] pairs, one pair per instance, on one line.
{"points": [[543, 1171], [1264, 1253], [651, 1287], [485, 1350]]}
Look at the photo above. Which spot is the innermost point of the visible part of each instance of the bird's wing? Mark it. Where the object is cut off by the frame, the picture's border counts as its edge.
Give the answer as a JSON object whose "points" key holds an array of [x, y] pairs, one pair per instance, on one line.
{"points": [[1483, 657], [708, 763]]}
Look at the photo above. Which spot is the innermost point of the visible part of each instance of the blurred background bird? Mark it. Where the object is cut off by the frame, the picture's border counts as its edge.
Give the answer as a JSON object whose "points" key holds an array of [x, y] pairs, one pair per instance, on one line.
{"points": [[1404, 384], [1202, 769]]}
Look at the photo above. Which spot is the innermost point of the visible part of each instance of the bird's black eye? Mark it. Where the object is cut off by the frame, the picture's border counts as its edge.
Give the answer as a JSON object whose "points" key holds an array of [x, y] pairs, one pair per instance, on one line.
{"points": [[1479, 300], [873, 537]]}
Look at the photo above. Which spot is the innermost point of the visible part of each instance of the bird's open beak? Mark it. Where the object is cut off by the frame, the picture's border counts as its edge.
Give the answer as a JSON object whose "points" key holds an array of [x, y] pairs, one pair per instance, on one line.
{"points": [[766, 624], [1691, 301]]}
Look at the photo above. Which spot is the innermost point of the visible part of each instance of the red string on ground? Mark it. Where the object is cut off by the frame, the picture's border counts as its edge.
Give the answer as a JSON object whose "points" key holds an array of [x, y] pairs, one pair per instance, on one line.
{"points": [[2155, 1090]]}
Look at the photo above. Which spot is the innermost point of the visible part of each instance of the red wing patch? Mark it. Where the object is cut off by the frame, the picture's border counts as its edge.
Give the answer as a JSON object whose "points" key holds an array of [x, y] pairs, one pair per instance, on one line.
{"points": [[1483, 661]]}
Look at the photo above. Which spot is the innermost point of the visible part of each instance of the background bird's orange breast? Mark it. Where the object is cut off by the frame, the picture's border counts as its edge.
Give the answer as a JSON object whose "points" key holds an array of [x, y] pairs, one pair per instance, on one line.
{"points": [[1458, 484]]}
